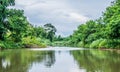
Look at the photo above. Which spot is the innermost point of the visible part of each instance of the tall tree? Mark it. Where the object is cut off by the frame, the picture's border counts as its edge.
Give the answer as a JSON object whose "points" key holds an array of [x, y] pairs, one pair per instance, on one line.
{"points": [[50, 29], [3, 15], [18, 24], [112, 20], [39, 32]]}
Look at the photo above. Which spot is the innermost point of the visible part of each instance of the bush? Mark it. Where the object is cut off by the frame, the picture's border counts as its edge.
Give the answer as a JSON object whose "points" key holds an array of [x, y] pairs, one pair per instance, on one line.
{"points": [[33, 42], [95, 44], [106, 43], [87, 45], [46, 41], [9, 45], [103, 43], [114, 43], [80, 44]]}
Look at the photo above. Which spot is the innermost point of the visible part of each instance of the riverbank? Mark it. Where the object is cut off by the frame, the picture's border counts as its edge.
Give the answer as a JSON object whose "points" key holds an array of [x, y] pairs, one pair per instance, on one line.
{"points": [[19, 46], [111, 50]]}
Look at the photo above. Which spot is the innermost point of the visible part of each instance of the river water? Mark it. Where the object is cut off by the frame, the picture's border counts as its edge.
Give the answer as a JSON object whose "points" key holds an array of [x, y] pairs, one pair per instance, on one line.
{"points": [[59, 59]]}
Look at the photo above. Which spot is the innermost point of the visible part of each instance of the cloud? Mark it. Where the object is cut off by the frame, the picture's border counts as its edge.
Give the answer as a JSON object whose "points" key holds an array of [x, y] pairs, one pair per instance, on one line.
{"points": [[26, 2], [65, 15], [77, 17]]}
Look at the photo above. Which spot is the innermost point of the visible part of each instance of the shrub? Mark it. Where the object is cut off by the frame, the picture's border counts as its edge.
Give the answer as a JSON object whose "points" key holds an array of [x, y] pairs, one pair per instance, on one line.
{"points": [[80, 44], [106, 43], [114, 43], [103, 43], [33, 42], [95, 44], [9, 45]]}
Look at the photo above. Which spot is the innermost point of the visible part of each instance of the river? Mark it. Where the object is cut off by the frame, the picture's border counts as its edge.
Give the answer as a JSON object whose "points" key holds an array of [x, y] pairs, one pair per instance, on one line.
{"points": [[59, 59]]}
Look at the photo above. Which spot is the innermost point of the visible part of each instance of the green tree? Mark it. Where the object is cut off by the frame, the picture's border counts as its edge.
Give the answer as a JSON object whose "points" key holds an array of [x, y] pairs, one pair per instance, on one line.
{"points": [[39, 32], [112, 20], [50, 29], [3, 15], [18, 24], [86, 32]]}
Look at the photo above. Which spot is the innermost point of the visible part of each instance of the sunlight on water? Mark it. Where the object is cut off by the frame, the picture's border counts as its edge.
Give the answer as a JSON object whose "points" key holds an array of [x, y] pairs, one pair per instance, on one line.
{"points": [[57, 49]]}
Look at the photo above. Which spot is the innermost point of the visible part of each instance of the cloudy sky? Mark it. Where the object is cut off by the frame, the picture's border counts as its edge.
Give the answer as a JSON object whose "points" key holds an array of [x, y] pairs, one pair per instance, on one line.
{"points": [[65, 15]]}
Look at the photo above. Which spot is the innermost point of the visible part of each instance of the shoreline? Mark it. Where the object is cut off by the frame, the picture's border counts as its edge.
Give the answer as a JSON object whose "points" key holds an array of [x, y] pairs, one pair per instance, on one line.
{"points": [[32, 47], [110, 49]]}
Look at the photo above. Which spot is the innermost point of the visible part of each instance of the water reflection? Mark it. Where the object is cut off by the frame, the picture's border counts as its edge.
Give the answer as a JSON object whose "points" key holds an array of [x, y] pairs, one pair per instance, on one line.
{"points": [[23, 60], [59, 60], [98, 61]]}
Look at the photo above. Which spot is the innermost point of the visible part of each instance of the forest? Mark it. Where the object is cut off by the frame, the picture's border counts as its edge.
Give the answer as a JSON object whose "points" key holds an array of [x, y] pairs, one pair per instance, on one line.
{"points": [[100, 33], [17, 32]]}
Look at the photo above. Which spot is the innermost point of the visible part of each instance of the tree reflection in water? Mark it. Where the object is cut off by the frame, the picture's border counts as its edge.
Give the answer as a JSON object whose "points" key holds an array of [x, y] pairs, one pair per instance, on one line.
{"points": [[59, 61], [49, 59], [22, 60], [97, 61]]}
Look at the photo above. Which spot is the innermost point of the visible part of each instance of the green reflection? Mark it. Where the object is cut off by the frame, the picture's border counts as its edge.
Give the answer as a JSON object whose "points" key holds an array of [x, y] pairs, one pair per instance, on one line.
{"points": [[22, 60], [97, 61]]}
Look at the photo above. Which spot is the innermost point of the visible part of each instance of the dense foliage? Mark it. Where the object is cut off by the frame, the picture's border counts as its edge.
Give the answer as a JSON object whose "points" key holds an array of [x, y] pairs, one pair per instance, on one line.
{"points": [[17, 32], [101, 33], [3, 9]]}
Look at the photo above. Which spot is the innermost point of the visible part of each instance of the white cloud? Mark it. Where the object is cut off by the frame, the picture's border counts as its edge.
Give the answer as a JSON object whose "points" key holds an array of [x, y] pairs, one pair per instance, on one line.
{"points": [[75, 17], [65, 15], [78, 17], [25, 2]]}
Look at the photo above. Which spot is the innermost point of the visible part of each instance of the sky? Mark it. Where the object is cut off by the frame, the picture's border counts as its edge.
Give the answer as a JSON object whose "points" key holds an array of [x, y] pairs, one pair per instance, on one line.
{"points": [[65, 15]]}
